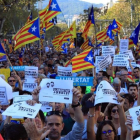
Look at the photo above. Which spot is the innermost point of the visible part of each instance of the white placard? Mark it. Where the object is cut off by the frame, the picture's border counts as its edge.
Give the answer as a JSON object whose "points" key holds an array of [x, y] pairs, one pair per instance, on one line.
{"points": [[137, 138], [129, 53], [45, 107], [22, 109], [124, 43], [22, 98], [31, 71], [53, 90], [105, 93], [121, 60], [29, 84], [108, 50], [15, 94], [47, 49], [64, 71], [133, 65], [97, 60], [105, 62], [134, 113], [5, 92]]}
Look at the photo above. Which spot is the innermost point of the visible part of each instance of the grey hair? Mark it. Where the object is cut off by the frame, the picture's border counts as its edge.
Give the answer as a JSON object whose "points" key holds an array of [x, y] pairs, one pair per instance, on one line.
{"points": [[116, 81]]}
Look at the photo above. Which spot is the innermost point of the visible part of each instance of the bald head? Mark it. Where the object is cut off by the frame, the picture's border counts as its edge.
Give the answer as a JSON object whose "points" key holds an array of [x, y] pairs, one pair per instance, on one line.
{"points": [[117, 81], [117, 84]]}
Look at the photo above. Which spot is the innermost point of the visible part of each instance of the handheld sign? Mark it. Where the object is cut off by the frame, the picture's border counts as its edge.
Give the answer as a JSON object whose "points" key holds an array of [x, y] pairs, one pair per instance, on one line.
{"points": [[137, 138], [17, 68], [105, 94], [5, 92], [78, 81], [45, 107], [53, 90], [108, 50], [64, 71], [31, 71], [129, 54], [124, 43], [134, 113], [105, 63], [22, 109], [22, 98]]}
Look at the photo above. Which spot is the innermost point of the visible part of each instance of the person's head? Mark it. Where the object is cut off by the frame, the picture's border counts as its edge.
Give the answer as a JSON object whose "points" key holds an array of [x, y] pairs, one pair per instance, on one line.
{"points": [[15, 132], [124, 75], [136, 72], [85, 98], [100, 74], [113, 111], [133, 90], [105, 76], [41, 71], [36, 60], [117, 84], [118, 74], [129, 101], [21, 74], [59, 107], [11, 81], [46, 69], [106, 131], [54, 124]]}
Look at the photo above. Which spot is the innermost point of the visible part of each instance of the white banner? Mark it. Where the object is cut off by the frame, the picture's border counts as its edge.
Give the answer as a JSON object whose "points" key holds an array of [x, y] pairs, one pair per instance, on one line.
{"points": [[105, 63], [5, 92], [31, 71], [121, 60], [133, 65], [22, 109], [53, 90], [29, 84], [134, 113], [128, 53], [64, 71], [45, 107], [105, 93], [22, 98], [124, 43], [97, 60], [108, 50]]}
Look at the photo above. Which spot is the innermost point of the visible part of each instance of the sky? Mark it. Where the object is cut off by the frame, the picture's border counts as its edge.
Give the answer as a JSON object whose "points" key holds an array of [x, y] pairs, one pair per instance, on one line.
{"points": [[98, 1]]}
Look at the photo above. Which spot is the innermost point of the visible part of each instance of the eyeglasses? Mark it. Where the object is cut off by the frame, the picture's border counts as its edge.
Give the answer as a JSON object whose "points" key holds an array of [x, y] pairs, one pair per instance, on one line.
{"points": [[136, 71], [114, 110], [105, 132], [54, 113], [11, 80]]}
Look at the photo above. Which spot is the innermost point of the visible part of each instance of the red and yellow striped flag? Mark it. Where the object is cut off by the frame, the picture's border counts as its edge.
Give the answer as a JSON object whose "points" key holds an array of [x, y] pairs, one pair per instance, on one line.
{"points": [[82, 61], [85, 45], [111, 42], [67, 63], [131, 44]]}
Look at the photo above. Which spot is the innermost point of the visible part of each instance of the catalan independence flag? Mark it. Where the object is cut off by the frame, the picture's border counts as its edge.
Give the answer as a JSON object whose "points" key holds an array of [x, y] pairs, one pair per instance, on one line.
{"points": [[90, 22], [67, 63], [28, 34], [83, 61], [30, 18], [52, 11], [87, 45], [10, 46], [102, 36], [2, 54], [21, 56]]}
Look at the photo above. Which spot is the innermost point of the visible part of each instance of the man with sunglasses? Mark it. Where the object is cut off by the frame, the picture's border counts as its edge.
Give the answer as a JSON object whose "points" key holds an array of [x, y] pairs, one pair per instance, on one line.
{"points": [[12, 82]]}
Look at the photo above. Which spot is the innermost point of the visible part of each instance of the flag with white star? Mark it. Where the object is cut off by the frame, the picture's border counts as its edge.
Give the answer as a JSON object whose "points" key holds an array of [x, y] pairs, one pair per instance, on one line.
{"points": [[135, 34], [109, 32], [83, 61], [34, 29], [54, 6], [114, 25]]}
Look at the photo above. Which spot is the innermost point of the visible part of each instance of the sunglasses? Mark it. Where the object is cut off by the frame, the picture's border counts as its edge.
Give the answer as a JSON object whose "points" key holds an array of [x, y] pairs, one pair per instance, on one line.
{"points": [[11, 80], [114, 110], [54, 113], [105, 132]]}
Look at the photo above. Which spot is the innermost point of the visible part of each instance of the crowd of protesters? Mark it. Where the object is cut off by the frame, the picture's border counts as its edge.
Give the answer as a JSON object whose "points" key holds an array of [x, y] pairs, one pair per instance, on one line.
{"points": [[74, 121]]}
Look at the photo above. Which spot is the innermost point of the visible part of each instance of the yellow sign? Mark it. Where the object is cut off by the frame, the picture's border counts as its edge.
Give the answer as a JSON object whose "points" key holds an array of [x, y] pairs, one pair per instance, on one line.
{"points": [[5, 72]]}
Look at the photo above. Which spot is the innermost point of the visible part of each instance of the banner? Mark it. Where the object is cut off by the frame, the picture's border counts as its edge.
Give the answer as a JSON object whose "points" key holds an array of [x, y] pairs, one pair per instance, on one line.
{"points": [[124, 43], [78, 81], [22, 109], [64, 71], [108, 50], [121, 60], [133, 65], [45, 107], [54, 90], [17, 68], [128, 53], [134, 113], [105, 93], [22, 98], [105, 63]]}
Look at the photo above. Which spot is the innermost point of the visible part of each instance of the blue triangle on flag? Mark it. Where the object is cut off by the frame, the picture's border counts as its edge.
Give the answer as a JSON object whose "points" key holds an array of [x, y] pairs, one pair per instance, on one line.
{"points": [[54, 6], [34, 29], [89, 58], [91, 16], [1, 49]]}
